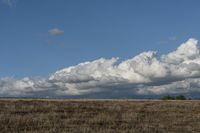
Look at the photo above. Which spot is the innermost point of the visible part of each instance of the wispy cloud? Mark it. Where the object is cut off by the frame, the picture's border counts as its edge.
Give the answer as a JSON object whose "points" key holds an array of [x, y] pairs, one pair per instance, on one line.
{"points": [[56, 32], [172, 38], [10, 3], [145, 74]]}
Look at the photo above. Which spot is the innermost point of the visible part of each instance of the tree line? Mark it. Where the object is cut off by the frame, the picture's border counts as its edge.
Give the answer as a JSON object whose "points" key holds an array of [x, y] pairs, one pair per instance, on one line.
{"points": [[179, 97]]}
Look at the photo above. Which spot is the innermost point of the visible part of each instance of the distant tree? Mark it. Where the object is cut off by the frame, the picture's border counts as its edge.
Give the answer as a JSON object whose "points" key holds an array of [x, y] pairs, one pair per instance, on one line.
{"points": [[168, 98], [180, 97]]}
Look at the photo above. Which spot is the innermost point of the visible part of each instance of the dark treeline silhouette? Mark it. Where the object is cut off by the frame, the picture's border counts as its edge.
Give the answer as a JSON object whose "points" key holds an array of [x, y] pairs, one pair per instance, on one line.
{"points": [[179, 97]]}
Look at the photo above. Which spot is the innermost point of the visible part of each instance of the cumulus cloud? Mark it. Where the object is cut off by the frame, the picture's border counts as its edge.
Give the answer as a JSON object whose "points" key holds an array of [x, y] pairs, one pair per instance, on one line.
{"points": [[10, 3], [56, 32], [186, 86], [145, 74]]}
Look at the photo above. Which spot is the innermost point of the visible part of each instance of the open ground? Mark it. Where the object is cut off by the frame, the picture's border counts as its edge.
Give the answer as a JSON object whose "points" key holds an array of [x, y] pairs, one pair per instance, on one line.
{"points": [[102, 116]]}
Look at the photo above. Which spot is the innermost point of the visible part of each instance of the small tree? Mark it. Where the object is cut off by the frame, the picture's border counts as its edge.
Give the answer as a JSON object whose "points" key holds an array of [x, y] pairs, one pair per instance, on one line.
{"points": [[180, 97], [168, 98]]}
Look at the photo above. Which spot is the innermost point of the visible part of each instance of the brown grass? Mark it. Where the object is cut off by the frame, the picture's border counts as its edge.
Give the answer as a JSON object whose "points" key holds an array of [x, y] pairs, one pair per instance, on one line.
{"points": [[61, 116]]}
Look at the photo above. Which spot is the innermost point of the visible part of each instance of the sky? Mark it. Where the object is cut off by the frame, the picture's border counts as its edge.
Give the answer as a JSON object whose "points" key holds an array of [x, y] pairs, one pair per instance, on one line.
{"points": [[43, 41]]}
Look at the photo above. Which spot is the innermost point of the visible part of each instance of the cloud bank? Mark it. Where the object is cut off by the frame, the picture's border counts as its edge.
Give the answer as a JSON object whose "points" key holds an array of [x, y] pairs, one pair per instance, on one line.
{"points": [[143, 75]]}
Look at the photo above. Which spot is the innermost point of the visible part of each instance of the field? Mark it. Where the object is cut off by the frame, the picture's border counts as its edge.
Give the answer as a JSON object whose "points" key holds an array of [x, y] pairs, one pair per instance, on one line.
{"points": [[118, 116]]}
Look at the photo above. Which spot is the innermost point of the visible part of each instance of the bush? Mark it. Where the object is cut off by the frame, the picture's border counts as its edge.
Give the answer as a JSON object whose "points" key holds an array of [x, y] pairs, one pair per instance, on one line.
{"points": [[168, 98], [179, 97]]}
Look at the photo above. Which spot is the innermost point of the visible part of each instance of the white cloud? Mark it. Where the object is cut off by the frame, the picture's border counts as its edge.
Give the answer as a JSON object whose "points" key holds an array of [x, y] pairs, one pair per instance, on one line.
{"points": [[56, 32], [10, 3], [186, 52], [144, 74]]}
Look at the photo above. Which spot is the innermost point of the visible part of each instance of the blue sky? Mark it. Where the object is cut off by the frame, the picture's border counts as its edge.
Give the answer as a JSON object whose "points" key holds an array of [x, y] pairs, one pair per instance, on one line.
{"points": [[92, 29], [41, 39]]}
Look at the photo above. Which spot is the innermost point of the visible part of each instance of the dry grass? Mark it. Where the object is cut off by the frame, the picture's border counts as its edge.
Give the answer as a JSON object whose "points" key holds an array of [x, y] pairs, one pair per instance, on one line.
{"points": [[57, 116]]}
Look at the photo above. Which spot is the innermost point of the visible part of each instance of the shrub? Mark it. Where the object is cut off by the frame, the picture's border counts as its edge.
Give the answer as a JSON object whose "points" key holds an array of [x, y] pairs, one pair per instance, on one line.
{"points": [[180, 97], [168, 98]]}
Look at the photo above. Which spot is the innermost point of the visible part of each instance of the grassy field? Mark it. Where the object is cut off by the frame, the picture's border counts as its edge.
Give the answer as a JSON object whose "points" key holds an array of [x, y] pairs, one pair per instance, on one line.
{"points": [[57, 116]]}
